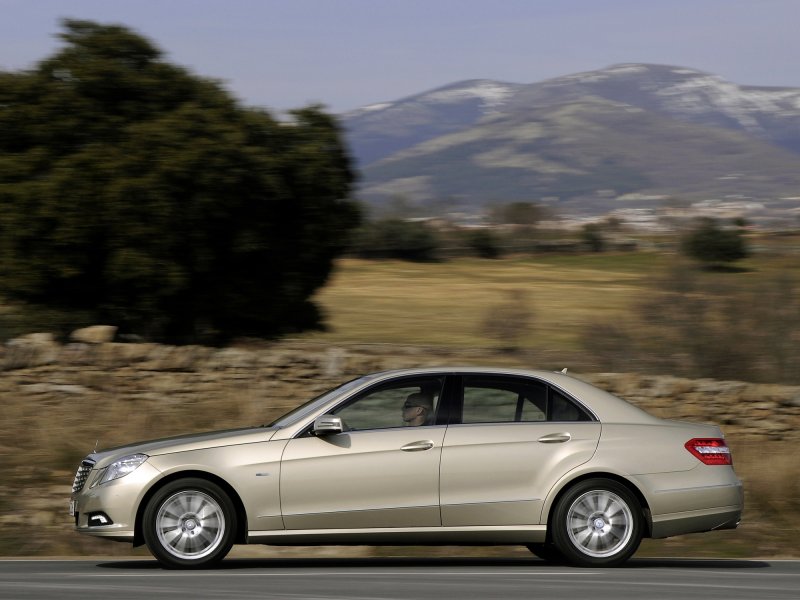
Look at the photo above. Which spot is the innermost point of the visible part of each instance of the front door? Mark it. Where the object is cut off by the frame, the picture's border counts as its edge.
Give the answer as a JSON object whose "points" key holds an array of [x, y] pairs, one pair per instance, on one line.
{"points": [[382, 471]]}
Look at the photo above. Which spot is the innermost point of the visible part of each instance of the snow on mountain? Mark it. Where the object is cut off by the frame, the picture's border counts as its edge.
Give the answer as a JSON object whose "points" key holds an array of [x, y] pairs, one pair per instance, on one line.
{"points": [[681, 92], [492, 94]]}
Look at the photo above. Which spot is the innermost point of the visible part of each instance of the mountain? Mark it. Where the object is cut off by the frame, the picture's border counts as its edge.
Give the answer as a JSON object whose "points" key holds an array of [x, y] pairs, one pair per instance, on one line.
{"points": [[588, 142], [379, 130]]}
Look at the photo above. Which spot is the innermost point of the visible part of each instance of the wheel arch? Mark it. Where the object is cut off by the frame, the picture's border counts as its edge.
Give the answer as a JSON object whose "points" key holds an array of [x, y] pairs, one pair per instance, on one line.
{"points": [[567, 485], [241, 514]]}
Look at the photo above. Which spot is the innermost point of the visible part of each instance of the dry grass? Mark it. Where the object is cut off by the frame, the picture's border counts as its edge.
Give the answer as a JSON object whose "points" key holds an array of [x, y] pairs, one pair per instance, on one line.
{"points": [[591, 312], [446, 303]]}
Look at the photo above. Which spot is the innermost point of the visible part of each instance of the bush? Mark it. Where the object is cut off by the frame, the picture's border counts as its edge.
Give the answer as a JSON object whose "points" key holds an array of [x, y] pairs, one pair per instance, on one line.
{"points": [[397, 239], [484, 244], [509, 322], [713, 245], [592, 237]]}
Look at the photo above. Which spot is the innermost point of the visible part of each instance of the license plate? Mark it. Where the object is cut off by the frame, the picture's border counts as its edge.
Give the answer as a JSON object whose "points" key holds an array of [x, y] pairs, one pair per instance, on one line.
{"points": [[73, 506]]}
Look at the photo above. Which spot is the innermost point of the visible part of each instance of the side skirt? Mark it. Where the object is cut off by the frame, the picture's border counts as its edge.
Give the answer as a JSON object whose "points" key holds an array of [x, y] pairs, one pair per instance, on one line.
{"points": [[402, 536]]}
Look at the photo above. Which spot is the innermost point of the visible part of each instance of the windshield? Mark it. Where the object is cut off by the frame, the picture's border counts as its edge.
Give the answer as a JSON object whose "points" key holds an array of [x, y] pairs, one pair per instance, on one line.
{"points": [[309, 407]]}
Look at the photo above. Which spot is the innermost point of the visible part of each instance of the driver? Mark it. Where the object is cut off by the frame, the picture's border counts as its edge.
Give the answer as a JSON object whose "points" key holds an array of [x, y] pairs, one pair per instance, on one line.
{"points": [[418, 409]]}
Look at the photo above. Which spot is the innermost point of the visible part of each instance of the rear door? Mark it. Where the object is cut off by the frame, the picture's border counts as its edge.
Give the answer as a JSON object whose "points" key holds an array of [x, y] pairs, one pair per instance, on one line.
{"points": [[509, 440]]}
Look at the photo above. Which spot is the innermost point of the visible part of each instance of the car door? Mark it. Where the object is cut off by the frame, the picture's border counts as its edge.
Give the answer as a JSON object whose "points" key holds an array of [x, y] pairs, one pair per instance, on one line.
{"points": [[379, 472], [514, 438]]}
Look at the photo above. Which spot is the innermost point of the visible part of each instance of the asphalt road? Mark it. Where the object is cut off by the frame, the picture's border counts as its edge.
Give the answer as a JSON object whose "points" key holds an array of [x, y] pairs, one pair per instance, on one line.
{"points": [[380, 578]]}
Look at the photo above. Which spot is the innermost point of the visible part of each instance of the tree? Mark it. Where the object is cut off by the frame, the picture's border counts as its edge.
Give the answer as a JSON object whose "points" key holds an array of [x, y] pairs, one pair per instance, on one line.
{"points": [[397, 238], [713, 245], [526, 214], [135, 193], [592, 237], [484, 243]]}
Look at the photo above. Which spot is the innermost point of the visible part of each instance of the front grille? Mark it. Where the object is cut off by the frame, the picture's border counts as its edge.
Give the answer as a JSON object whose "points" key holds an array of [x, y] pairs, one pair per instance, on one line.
{"points": [[82, 475]]}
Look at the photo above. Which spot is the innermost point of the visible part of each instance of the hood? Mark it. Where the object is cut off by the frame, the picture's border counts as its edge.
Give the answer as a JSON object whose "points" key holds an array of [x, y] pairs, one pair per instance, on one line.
{"points": [[184, 443]]}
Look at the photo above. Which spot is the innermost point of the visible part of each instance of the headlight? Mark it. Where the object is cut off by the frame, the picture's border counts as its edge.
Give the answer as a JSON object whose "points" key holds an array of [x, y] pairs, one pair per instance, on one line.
{"points": [[123, 466]]}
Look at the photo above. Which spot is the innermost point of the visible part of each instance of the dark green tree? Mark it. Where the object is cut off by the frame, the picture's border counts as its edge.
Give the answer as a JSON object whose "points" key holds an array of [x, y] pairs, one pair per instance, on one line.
{"points": [[484, 243], [592, 237], [398, 239], [135, 193], [714, 245]]}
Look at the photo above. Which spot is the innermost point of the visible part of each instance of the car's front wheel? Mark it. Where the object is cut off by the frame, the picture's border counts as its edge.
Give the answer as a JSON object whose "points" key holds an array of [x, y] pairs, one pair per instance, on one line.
{"points": [[189, 523], [597, 523]]}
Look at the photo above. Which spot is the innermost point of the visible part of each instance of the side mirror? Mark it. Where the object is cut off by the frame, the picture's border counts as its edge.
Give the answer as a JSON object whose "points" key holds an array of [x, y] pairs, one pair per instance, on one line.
{"points": [[328, 425]]}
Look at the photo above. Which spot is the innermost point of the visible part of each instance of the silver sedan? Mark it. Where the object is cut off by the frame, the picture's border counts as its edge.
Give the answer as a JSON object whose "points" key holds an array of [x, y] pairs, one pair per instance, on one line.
{"points": [[421, 456]]}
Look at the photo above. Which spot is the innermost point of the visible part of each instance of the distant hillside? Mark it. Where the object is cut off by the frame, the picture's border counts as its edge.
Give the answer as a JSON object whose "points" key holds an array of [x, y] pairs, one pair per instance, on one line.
{"points": [[582, 141]]}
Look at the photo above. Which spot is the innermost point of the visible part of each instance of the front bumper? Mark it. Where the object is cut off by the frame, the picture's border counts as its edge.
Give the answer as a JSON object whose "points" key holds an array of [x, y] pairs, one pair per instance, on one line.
{"points": [[117, 501]]}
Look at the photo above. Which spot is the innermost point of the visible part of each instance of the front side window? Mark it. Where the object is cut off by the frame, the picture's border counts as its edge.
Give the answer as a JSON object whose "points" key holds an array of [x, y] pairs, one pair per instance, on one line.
{"points": [[298, 413], [410, 402]]}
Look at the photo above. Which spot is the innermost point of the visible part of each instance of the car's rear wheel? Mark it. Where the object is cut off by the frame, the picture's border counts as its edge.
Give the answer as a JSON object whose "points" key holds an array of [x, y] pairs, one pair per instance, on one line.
{"points": [[189, 523], [597, 523]]}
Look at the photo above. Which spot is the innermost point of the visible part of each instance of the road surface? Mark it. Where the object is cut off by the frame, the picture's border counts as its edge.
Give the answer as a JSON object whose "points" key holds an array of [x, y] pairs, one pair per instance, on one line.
{"points": [[396, 578]]}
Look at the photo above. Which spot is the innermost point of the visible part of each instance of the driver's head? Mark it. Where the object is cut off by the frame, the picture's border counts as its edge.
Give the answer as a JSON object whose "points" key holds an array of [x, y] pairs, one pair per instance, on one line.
{"points": [[416, 408]]}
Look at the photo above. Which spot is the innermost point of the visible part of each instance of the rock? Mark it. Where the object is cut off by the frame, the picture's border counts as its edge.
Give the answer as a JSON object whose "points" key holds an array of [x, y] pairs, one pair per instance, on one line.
{"points": [[32, 350], [231, 358], [58, 388], [96, 334], [178, 358], [115, 354]]}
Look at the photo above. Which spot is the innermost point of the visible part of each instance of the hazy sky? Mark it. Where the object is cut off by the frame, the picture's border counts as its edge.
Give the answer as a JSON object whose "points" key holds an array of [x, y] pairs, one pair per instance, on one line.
{"points": [[348, 53]]}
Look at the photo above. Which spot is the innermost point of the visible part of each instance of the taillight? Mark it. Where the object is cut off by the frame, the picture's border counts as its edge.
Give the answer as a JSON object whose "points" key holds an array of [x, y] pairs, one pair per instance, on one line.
{"points": [[710, 451]]}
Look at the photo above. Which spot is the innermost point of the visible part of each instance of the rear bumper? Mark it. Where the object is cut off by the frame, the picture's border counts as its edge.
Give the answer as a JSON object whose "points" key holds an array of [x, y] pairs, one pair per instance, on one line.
{"points": [[696, 521], [704, 499]]}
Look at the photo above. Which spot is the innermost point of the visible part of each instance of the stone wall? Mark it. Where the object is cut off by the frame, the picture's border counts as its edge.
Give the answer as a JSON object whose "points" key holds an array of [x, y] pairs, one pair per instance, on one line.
{"points": [[275, 377]]}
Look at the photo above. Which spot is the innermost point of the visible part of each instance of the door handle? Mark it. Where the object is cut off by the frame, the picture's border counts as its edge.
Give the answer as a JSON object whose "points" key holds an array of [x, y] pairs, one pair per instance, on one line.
{"points": [[555, 438], [418, 446]]}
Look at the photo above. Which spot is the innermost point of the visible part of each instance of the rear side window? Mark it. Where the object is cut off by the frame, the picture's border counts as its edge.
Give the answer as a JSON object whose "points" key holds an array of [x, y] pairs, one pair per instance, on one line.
{"points": [[493, 400], [515, 400], [563, 409]]}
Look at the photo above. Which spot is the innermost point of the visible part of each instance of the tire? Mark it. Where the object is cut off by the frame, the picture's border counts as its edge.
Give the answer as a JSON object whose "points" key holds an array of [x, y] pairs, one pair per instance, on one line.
{"points": [[189, 523], [597, 523], [547, 552]]}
